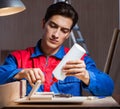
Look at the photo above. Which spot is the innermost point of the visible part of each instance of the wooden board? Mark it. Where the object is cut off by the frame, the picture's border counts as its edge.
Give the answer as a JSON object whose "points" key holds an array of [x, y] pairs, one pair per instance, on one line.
{"points": [[11, 91], [53, 100]]}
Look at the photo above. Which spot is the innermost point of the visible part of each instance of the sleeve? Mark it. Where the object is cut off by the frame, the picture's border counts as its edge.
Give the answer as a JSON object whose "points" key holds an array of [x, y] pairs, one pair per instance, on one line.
{"points": [[8, 70], [100, 83]]}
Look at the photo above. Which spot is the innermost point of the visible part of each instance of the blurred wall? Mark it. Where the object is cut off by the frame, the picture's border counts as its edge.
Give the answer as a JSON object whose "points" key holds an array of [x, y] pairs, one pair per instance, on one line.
{"points": [[97, 19]]}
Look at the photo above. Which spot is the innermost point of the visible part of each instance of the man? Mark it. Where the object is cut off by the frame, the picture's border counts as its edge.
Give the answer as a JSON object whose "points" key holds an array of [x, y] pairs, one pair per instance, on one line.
{"points": [[37, 63]]}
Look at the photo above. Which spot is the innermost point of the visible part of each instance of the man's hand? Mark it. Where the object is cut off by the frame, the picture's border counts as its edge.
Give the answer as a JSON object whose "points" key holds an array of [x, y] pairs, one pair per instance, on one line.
{"points": [[31, 74], [77, 68]]}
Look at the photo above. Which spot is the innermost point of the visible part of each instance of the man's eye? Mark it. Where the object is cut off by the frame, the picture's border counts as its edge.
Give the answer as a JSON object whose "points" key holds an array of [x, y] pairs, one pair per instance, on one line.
{"points": [[65, 31], [52, 25]]}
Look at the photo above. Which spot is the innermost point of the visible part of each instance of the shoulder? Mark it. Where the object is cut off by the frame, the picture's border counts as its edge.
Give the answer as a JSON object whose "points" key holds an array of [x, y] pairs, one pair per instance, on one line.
{"points": [[18, 53]]}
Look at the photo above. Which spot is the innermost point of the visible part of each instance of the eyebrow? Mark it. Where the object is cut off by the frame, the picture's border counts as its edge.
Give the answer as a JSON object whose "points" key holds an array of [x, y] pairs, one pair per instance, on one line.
{"points": [[60, 26]]}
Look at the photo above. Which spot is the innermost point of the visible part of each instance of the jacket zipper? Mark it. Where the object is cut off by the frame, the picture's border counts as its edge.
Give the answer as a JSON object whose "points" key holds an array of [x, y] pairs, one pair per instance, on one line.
{"points": [[46, 61]]}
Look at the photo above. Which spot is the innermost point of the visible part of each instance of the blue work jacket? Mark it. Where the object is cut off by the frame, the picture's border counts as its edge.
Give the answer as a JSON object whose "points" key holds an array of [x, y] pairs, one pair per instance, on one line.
{"points": [[100, 83]]}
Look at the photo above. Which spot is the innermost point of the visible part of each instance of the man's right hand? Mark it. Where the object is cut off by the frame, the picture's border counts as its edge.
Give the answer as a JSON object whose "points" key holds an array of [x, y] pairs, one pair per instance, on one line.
{"points": [[31, 74]]}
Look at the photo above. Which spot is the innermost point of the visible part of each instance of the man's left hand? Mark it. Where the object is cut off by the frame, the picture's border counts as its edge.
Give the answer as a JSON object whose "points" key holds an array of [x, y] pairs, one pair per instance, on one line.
{"points": [[77, 68]]}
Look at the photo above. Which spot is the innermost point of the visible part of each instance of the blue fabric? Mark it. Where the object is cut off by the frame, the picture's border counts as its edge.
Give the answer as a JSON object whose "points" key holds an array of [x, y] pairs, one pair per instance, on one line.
{"points": [[100, 83], [60, 54]]}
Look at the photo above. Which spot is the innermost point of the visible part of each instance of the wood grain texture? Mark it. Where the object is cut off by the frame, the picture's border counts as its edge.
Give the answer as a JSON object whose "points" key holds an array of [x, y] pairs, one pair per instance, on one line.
{"points": [[9, 92]]}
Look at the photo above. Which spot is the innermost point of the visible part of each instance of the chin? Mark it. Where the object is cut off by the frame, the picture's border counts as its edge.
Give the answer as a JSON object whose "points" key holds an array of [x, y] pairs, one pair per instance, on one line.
{"points": [[53, 46]]}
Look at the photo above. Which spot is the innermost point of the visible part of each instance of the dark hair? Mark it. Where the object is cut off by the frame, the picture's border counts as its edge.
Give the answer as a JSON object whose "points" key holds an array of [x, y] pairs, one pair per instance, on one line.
{"points": [[63, 9]]}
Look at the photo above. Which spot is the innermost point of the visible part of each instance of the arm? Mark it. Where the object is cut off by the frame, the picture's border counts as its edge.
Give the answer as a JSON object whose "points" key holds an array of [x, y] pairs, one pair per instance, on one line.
{"points": [[100, 83], [8, 70], [94, 80]]}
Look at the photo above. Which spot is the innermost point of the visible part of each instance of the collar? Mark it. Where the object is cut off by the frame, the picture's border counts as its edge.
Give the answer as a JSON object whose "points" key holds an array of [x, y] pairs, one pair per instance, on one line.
{"points": [[38, 52]]}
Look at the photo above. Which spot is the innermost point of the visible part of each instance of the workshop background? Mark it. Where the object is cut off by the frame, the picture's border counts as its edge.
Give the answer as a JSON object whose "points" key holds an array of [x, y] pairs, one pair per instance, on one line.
{"points": [[97, 21]]}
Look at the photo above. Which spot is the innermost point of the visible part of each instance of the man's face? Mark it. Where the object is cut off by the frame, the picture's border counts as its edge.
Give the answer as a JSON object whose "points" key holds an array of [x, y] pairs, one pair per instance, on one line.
{"points": [[56, 31]]}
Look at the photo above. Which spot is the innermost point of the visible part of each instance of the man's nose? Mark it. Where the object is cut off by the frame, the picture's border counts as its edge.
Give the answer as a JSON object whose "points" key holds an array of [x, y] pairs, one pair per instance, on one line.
{"points": [[56, 33]]}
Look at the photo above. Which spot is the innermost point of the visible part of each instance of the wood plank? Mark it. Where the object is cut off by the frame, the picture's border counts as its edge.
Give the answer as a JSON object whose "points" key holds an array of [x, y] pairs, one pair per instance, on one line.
{"points": [[11, 91]]}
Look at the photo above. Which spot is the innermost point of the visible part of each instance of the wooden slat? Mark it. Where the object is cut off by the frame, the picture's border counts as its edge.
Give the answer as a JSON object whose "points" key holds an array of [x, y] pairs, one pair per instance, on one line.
{"points": [[11, 91]]}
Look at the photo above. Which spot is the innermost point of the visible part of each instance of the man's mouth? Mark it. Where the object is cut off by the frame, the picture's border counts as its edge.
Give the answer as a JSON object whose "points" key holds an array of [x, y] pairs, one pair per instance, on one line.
{"points": [[53, 40]]}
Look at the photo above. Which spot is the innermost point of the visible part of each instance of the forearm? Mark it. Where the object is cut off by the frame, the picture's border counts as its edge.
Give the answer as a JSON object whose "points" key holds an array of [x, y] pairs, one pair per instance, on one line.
{"points": [[100, 84], [8, 76], [8, 70]]}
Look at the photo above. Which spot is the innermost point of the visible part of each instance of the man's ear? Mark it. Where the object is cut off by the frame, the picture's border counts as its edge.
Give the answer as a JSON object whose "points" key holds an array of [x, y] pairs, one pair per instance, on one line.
{"points": [[43, 23]]}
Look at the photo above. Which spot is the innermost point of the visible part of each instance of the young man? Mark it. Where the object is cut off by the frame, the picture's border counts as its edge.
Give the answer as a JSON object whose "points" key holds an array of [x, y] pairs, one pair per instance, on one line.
{"points": [[37, 63]]}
